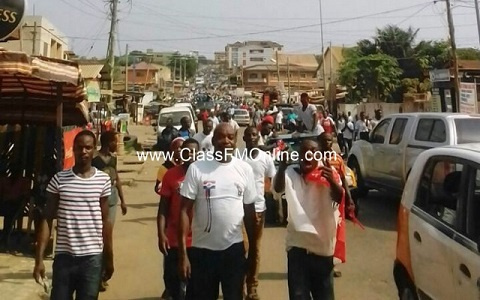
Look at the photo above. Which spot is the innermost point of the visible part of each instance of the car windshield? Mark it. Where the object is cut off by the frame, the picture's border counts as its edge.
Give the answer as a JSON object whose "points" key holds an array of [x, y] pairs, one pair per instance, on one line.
{"points": [[467, 130], [241, 112], [176, 117]]}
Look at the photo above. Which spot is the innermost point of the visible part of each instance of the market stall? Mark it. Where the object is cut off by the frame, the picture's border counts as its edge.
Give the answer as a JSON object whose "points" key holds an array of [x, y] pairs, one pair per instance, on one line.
{"points": [[42, 108]]}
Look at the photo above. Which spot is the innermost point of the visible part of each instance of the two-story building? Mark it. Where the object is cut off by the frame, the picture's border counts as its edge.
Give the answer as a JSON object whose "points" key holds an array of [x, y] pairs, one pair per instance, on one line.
{"points": [[297, 71], [39, 37], [250, 53], [151, 76]]}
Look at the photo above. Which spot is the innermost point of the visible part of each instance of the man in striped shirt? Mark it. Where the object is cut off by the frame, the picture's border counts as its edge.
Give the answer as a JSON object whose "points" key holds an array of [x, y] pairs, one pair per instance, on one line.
{"points": [[78, 197]]}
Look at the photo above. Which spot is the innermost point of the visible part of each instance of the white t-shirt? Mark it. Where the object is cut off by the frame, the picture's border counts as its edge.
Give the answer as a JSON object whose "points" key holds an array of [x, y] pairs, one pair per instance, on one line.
{"points": [[279, 118], [374, 123], [205, 141], [214, 121], [348, 133], [263, 166], [219, 191], [307, 116], [234, 124], [312, 215], [340, 125], [360, 126], [263, 139]]}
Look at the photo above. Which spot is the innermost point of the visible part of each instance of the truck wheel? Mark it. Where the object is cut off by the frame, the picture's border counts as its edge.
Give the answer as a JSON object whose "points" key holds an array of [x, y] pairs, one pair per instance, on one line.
{"points": [[361, 190]]}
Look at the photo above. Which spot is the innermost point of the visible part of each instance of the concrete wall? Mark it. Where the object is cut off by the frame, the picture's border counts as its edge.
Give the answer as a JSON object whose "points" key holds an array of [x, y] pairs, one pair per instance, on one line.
{"points": [[369, 108], [49, 41]]}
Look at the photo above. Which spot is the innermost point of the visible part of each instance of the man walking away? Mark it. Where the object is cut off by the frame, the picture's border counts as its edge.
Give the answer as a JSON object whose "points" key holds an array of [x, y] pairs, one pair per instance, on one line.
{"points": [[205, 138], [377, 119], [307, 115], [106, 161], [168, 220], [279, 121], [263, 170], [348, 135], [221, 193], [361, 127], [311, 226], [84, 231]]}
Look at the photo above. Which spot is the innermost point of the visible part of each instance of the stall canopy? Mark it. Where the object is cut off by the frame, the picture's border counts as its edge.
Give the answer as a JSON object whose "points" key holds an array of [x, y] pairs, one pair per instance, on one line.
{"points": [[32, 88]]}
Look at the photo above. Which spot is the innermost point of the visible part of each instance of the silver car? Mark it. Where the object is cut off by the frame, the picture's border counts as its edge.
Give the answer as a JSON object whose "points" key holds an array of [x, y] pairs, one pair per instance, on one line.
{"points": [[242, 117]]}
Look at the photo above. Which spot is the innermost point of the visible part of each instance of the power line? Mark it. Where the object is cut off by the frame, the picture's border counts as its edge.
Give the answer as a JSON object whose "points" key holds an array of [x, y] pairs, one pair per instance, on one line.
{"points": [[83, 11]]}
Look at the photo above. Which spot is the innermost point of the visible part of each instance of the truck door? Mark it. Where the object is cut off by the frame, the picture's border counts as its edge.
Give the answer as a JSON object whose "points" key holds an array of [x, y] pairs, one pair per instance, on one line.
{"points": [[395, 154], [378, 140]]}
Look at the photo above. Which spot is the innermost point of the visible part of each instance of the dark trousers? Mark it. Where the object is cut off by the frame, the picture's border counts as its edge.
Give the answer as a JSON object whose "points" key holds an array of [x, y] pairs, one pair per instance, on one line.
{"points": [[211, 268], [341, 143], [310, 276], [80, 275], [173, 284], [348, 142]]}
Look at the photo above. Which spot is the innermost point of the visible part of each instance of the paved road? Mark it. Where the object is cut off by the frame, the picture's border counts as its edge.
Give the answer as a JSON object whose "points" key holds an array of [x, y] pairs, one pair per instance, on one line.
{"points": [[366, 275]]}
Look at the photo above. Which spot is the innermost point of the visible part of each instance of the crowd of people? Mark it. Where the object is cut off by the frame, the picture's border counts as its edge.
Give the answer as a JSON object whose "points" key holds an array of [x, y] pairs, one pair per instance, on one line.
{"points": [[211, 213]]}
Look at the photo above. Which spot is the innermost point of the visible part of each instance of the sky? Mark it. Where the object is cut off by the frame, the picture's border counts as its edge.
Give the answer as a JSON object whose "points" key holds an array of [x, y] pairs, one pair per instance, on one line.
{"points": [[208, 25]]}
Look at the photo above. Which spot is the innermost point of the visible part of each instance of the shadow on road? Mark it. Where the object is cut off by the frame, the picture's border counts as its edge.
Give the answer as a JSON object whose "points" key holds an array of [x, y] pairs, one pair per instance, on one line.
{"points": [[142, 205], [272, 276], [142, 221], [379, 211], [16, 276]]}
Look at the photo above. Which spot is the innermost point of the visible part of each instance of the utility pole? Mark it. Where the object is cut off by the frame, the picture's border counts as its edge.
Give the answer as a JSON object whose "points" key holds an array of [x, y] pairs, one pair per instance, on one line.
{"points": [[185, 70], [111, 41], [174, 72], [181, 71], [477, 12], [288, 75], [278, 67], [323, 50], [126, 69], [454, 55], [34, 39]]}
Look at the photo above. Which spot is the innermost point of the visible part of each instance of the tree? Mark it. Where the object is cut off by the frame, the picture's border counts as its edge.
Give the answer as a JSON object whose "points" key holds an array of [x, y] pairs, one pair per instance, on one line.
{"points": [[374, 76], [468, 54], [190, 61]]}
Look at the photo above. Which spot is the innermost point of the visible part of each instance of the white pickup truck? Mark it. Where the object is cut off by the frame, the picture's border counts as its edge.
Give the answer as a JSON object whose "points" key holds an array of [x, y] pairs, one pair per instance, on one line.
{"points": [[384, 160]]}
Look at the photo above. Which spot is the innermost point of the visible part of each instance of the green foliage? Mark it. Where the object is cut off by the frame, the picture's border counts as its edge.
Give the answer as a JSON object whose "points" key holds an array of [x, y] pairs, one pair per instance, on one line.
{"points": [[374, 76], [190, 61], [408, 75], [468, 54]]}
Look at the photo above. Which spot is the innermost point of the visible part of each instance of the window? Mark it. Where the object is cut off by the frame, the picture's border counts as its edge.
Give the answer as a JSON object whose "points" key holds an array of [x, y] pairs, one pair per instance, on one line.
{"points": [[258, 59], [253, 75], [380, 132], [467, 130], [303, 75], [473, 209], [439, 192], [256, 51], [397, 131], [264, 75], [431, 130]]}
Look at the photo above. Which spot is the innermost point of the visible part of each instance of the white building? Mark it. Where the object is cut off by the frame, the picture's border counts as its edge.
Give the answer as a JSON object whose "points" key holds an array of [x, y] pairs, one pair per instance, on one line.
{"points": [[39, 37], [251, 53]]}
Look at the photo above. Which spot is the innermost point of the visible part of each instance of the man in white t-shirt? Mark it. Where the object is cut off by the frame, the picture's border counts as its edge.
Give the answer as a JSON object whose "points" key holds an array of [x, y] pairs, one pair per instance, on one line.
{"points": [[307, 115], [204, 138], [263, 170], [361, 126], [214, 119], [226, 118], [311, 230], [279, 121], [221, 193]]}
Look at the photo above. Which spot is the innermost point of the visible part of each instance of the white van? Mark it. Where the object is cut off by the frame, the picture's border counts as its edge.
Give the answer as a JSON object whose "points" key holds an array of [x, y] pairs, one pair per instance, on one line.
{"points": [[176, 114]]}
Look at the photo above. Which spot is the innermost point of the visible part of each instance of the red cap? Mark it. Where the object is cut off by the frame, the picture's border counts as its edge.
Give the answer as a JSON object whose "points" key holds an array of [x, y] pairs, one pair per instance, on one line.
{"points": [[268, 119]]}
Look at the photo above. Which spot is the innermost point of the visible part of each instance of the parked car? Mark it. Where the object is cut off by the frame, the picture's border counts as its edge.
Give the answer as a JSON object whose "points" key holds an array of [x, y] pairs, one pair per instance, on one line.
{"points": [[438, 245], [242, 117], [176, 113], [385, 158], [294, 142]]}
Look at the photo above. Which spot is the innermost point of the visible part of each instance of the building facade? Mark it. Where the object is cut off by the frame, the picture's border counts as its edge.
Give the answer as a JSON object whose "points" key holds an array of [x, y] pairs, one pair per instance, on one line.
{"points": [[39, 37], [151, 76], [250, 53], [297, 72], [160, 58]]}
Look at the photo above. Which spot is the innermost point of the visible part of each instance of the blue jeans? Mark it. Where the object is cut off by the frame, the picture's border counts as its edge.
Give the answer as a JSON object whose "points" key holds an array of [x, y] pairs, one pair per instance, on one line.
{"points": [[80, 275], [310, 276]]}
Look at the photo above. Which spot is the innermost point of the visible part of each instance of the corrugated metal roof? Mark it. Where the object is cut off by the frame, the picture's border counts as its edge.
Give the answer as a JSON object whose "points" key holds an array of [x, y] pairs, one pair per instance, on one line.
{"points": [[301, 60], [90, 71]]}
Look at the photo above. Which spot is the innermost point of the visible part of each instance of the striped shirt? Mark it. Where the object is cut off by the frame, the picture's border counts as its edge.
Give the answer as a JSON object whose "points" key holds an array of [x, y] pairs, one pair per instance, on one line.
{"points": [[79, 215]]}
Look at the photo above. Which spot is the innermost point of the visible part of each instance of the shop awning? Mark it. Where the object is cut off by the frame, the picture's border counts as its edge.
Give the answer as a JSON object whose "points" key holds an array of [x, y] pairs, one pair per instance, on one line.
{"points": [[31, 88]]}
